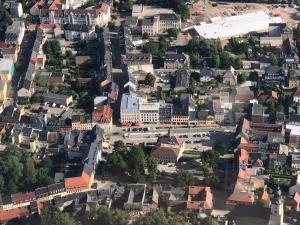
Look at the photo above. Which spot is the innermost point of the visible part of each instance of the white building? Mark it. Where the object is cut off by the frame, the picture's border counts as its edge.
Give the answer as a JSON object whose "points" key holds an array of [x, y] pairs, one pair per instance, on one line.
{"points": [[129, 109], [149, 112], [14, 33], [89, 17], [16, 9], [232, 26], [79, 32]]}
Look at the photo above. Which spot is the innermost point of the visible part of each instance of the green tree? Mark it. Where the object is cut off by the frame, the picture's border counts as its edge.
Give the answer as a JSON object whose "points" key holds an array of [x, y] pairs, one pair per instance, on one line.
{"points": [[136, 163], [273, 59], [225, 60], [184, 178], [127, 5], [105, 216], [173, 32], [152, 168], [210, 157], [150, 79], [53, 216], [183, 10], [242, 77], [116, 163], [119, 146], [145, 35], [11, 169], [160, 217], [42, 177], [151, 47], [29, 172], [215, 61]]}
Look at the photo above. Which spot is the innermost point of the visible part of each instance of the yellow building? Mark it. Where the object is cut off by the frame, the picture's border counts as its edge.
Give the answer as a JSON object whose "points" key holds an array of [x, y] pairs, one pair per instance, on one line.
{"points": [[3, 90]]}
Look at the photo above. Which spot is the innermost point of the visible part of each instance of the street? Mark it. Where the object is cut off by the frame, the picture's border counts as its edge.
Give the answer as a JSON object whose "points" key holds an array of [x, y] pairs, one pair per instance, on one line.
{"points": [[196, 138]]}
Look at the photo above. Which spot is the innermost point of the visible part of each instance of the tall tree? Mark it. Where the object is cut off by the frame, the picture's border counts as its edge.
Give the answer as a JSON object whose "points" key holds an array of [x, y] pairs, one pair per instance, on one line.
{"points": [[29, 172], [152, 168], [53, 216], [184, 178], [160, 217], [150, 79]]}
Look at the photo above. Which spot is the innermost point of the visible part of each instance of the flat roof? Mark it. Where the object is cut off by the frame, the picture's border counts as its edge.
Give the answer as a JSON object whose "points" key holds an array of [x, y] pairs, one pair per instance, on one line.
{"points": [[235, 25], [149, 106], [5, 64], [129, 101], [295, 129]]}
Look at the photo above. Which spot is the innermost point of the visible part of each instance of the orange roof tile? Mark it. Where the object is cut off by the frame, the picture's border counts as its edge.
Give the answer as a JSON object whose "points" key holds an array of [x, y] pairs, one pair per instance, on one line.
{"points": [[243, 174], [6, 215], [199, 197], [103, 8], [241, 197], [265, 196], [77, 183], [240, 186], [244, 156], [297, 197], [246, 124], [22, 197]]}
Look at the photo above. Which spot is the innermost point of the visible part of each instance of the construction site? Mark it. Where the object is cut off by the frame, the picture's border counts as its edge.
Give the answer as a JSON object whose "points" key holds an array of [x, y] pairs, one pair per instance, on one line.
{"points": [[204, 10]]}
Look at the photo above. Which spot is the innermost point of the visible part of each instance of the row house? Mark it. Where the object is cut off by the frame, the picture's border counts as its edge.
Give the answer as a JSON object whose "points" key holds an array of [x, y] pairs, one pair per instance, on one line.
{"points": [[81, 122], [37, 61], [175, 61], [102, 116], [88, 17]]}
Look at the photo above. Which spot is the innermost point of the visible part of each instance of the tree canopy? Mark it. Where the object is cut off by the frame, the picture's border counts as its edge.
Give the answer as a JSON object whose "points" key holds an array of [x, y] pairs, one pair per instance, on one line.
{"points": [[132, 161], [105, 216], [53, 216], [184, 178], [21, 173], [150, 79]]}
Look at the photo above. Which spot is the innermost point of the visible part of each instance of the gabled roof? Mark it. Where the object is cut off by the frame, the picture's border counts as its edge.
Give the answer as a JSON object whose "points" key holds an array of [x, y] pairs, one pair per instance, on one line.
{"points": [[22, 197], [165, 152], [241, 197], [199, 197], [6, 215]]}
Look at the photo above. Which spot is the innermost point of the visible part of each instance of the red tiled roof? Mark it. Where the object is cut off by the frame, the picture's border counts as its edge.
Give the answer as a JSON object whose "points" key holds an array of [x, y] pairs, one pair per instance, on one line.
{"points": [[265, 196], [40, 60], [246, 124], [77, 183], [297, 197], [240, 186], [246, 97], [52, 137], [6, 215], [2, 45], [243, 174], [274, 94], [244, 156], [104, 114], [39, 4], [199, 197], [103, 7], [162, 152], [241, 197], [22, 197], [33, 58], [48, 26]]}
